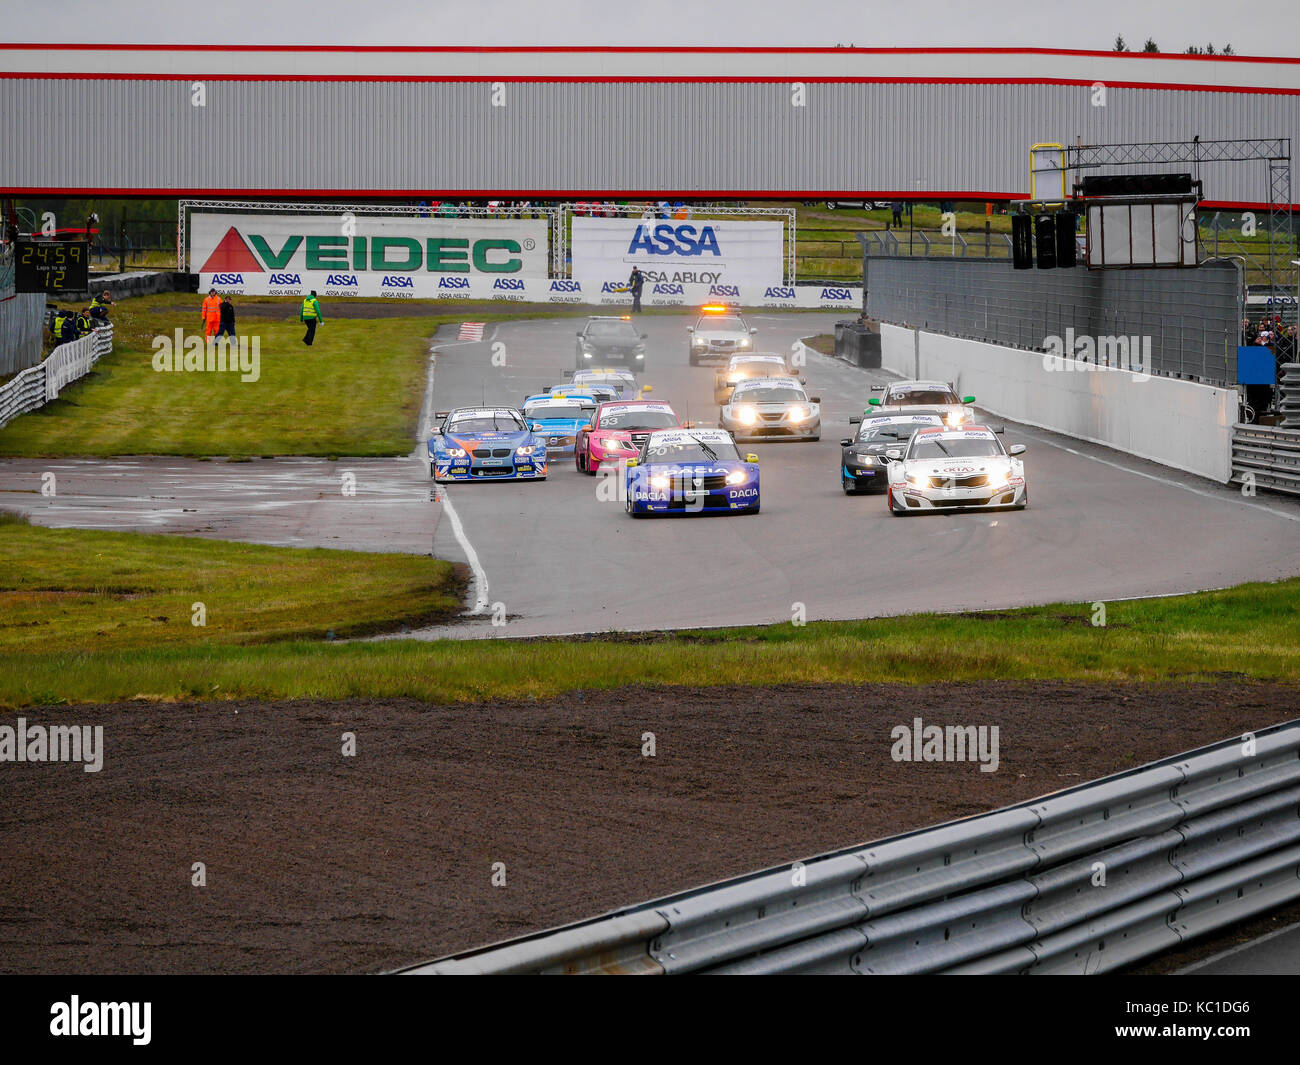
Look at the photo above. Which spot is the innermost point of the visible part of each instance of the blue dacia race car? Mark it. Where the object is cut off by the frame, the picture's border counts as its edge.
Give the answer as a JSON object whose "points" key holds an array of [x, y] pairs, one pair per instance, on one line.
{"points": [[557, 418], [691, 471], [485, 444]]}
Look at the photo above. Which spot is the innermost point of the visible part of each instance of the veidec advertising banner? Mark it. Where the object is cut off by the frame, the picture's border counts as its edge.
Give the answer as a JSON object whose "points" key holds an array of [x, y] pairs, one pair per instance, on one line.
{"points": [[361, 255], [673, 251]]}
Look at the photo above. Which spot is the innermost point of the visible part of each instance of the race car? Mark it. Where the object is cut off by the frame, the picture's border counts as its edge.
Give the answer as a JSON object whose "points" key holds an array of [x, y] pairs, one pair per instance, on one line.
{"points": [[606, 340], [902, 394], [956, 468], [771, 408], [619, 429], [485, 443], [719, 331], [558, 418], [744, 367], [691, 471], [622, 381], [600, 393], [863, 466]]}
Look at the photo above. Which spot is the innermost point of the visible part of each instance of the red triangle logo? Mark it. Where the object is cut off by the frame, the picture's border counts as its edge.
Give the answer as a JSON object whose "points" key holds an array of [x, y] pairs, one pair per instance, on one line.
{"points": [[232, 256]]}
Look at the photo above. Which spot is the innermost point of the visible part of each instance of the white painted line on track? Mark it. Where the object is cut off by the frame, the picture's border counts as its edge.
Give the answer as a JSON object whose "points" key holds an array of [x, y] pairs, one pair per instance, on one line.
{"points": [[1250, 944], [479, 581]]}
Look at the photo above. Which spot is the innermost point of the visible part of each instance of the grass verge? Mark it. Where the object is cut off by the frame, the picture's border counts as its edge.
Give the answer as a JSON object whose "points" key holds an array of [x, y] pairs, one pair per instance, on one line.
{"points": [[1245, 632], [64, 592]]}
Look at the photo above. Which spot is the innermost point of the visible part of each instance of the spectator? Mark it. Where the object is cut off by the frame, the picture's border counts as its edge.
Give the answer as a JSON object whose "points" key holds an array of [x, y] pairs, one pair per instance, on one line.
{"points": [[99, 307], [311, 315], [896, 211], [635, 282], [227, 318], [211, 313]]}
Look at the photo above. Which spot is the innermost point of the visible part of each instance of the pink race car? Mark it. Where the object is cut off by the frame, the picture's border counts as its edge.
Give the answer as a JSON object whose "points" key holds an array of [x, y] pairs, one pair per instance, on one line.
{"points": [[618, 429]]}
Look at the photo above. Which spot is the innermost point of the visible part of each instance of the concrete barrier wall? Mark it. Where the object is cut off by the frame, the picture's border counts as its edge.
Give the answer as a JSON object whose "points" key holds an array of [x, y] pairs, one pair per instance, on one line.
{"points": [[22, 324], [1181, 424]]}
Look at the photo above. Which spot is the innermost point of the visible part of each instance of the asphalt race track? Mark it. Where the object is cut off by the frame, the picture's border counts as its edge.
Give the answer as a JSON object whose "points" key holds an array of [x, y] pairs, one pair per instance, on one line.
{"points": [[553, 557]]}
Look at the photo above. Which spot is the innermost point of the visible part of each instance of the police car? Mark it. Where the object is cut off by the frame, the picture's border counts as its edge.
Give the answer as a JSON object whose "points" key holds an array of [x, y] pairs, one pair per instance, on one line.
{"points": [[691, 471], [863, 465], [719, 331], [771, 408], [955, 468], [485, 444], [557, 419], [900, 395], [604, 341]]}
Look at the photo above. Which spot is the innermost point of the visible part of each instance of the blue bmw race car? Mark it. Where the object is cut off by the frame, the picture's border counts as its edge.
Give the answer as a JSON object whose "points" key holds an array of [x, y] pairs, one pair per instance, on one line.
{"points": [[485, 444], [691, 471], [557, 418]]}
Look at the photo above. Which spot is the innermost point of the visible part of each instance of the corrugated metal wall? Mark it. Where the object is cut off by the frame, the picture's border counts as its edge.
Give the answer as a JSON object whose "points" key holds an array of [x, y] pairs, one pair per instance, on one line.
{"points": [[22, 325], [322, 137], [1192, 317]]}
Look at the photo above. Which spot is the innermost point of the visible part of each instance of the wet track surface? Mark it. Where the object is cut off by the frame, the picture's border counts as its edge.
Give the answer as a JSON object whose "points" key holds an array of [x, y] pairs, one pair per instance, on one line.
{"points": [[555, 557]]}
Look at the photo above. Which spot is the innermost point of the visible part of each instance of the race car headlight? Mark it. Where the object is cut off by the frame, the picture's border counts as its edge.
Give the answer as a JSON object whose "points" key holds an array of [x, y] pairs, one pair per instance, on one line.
{"points": [[914, 480], [863, 460], [455, 452], [746, 415], [956, 417], [586, 354], [798, 414], [736, 477], [744, 342], [526, 449], [734, 377], [660, 480]]}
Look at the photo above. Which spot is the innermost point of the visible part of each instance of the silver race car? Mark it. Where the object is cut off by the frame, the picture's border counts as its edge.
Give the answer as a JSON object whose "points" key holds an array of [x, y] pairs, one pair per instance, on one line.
{"points": [[771, 408], [899, 395], [956, 468]]}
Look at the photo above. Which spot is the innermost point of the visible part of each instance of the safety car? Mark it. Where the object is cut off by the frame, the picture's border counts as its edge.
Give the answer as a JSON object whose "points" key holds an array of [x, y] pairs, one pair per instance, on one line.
{"points": [[606, 340], [720, 331]]}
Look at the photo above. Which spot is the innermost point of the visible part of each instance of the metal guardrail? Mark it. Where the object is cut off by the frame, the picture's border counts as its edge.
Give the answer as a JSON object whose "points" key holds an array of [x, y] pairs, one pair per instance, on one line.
{"points": [[1267, 456], [1086, 880], [40, 384]]}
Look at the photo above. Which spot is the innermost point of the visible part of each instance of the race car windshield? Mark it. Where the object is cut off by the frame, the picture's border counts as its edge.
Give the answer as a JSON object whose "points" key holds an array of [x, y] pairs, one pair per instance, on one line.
{"points": [[966, 447], [692, 450], [896, 431], [921, 399], [639, 419], [558, 412], [722, 323], [611, 331], [771, 395], [485, 422]]}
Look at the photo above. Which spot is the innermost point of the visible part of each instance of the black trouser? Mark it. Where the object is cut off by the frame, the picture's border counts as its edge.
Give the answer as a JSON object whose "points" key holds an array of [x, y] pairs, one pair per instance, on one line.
{"points": [[636, 301], [311, 332], [227, 329]]}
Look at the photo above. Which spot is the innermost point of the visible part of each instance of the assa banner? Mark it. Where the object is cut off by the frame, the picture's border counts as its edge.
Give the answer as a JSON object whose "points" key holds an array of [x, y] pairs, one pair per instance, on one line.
{"points": [[675, 252], [608, 294], [262, 247]]}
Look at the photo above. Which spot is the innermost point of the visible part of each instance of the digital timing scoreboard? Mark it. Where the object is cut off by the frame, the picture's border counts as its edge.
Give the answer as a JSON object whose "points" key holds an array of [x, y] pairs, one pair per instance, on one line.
{"points": [[52, 266]]}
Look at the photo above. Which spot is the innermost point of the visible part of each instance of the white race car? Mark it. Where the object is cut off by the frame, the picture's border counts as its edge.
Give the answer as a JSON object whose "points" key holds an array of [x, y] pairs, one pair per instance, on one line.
{"points": [[956, 468], [899, 395], [771, 408]]}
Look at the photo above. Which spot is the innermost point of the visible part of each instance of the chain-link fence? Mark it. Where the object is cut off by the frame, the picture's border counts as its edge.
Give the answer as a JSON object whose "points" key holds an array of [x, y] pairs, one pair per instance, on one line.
{"points": [[1187, 323]]}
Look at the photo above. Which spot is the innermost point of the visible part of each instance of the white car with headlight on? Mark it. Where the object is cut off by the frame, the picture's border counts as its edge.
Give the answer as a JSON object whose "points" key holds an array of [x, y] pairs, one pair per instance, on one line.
{"points": [[899, 395], [771, 408], [956, 468]]}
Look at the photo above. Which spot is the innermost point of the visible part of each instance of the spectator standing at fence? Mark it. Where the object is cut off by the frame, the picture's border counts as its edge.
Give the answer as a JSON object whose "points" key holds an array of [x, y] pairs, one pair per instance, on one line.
{"points": [[311, 316], [896, 211], [211, 313], [227, 328], [635, 282]]}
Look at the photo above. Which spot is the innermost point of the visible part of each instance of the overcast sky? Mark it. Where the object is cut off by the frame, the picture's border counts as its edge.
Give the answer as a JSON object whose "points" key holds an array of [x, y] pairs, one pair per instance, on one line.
{"points": [[1265, 27]]}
